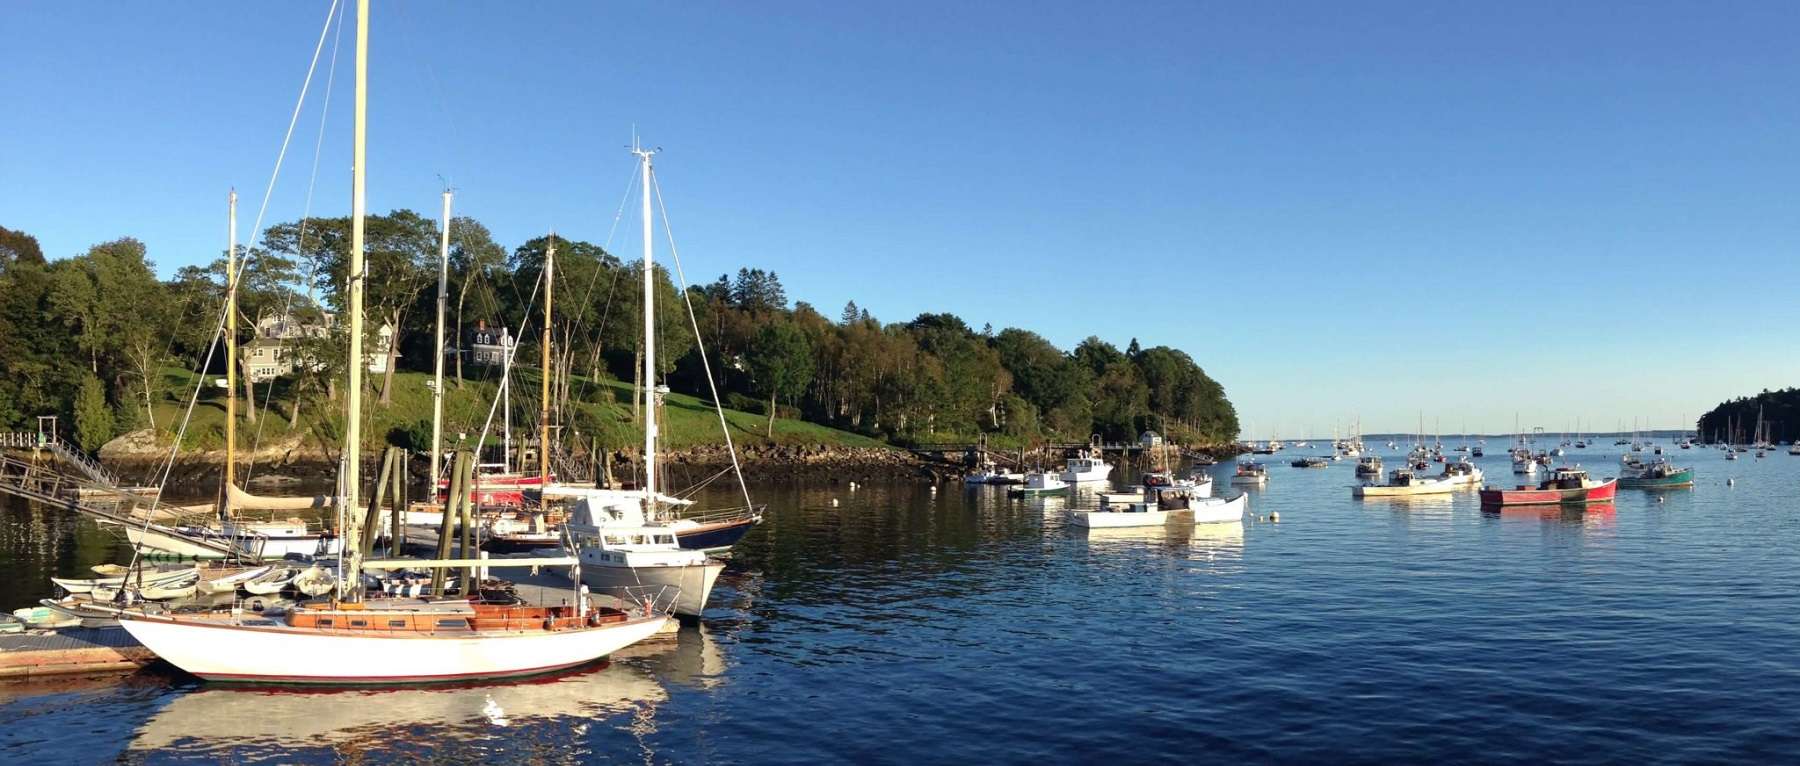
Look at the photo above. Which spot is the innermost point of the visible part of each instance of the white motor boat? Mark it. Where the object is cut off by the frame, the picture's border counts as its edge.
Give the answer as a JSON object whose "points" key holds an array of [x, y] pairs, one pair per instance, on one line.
{"points": [[1462, 473], [1087, 466], [1038, 483], [1251, 473], [620, 551], [1402, 482], [1161, 510]]}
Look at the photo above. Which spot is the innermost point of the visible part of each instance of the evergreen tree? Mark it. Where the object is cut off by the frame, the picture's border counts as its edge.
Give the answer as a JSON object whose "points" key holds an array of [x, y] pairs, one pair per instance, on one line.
{"points": [[93, 419]]}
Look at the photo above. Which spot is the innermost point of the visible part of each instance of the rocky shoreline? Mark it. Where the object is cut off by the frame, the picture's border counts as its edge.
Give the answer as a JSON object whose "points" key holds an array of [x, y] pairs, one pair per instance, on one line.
{"points": [[138, 460]]}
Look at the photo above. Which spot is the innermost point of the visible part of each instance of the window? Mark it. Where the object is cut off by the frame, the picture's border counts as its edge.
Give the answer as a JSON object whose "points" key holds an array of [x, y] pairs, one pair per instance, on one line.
{"points": [[396, 623], [324, 622], [359, 623], [453, 624]]}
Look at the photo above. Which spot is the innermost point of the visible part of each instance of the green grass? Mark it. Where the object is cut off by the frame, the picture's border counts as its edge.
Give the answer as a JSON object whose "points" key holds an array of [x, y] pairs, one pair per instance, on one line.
{"points": [[603, 410]]}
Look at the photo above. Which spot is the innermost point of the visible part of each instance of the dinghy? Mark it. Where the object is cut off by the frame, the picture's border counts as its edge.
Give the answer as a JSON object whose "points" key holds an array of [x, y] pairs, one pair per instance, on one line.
{"points": [[112, 575], [183, 587], [270, 582], [231, 582], [316, 581]]}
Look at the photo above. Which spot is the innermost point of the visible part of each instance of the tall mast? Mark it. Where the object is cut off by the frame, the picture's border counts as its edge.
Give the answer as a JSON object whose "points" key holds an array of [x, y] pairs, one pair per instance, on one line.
{"points": [[437, 374], [358, 207], [231, 285], [544, 388], [649, 340]]}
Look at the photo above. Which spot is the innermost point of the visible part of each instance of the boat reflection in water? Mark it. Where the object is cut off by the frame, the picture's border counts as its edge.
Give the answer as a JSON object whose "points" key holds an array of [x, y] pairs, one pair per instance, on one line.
{"points": [[252, 722], [1594, 515]]}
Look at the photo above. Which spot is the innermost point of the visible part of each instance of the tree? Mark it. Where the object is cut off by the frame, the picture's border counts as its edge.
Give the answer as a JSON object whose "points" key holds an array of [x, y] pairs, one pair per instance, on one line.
{"points": [[17, 247], [93, 419], [850, 315], [781, 363]]}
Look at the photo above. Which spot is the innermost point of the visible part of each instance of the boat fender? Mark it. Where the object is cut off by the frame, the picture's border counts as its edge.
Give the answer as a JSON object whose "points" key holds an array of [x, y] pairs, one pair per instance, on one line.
{"points": [[549, 624], [256, 605], [1275, 516], [1731, 482]]}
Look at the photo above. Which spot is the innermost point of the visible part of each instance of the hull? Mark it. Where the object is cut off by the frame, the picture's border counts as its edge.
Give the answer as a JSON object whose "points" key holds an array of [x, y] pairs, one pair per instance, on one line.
{"points": [[694, 583], [1118, 519], [271, 547], [1411, 490], [225, 652], [1085, 477], [1254, 480], [713, 538], [1216, 511], [1601, 492]]}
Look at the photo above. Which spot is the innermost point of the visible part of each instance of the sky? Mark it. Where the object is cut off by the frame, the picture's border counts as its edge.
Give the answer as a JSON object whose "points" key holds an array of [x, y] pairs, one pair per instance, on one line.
{"points": [[1345, 212]]}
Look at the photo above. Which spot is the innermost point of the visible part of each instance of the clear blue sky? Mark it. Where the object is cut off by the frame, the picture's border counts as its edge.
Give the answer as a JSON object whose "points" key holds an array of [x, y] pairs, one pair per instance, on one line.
{"points": [[1551, 209]]}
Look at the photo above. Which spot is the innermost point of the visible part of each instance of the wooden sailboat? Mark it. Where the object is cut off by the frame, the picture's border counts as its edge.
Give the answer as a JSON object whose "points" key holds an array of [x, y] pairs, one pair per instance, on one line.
{"points": [[353, 641]]}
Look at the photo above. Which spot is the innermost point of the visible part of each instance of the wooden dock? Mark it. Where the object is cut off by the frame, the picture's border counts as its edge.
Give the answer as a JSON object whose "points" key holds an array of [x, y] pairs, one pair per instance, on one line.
{"points": [[69, 651]]}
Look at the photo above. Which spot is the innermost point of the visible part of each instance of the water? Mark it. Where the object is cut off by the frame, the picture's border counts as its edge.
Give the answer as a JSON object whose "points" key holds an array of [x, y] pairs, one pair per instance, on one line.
{"points": [[903, 627]]}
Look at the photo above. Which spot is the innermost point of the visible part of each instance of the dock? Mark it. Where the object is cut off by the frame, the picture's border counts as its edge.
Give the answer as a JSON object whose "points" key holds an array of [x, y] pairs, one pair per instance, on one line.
{"points": [[70, 651]]}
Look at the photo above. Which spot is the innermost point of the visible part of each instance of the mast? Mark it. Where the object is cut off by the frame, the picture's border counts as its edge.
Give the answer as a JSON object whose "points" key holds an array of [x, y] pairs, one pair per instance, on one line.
{"points": [[231, 285], [544, 390], [437, 373], [358, 207], [649, 340]]}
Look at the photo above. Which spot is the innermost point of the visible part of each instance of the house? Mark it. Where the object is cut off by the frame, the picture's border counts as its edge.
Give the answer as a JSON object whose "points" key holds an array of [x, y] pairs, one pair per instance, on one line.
{"points": [[267, 356], [377, 352], [1150, 440], [488, 347]]}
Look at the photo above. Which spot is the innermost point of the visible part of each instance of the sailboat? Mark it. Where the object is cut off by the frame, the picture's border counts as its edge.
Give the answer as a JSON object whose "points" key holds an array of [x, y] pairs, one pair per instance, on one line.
{"points": [[625, 538], [350, 640], [265, 538]]}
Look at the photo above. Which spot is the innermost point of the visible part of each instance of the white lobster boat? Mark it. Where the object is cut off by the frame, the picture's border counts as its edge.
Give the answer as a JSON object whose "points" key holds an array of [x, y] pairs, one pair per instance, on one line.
{"points": [[1402, 482], [1086, 467], [1158, 511]]}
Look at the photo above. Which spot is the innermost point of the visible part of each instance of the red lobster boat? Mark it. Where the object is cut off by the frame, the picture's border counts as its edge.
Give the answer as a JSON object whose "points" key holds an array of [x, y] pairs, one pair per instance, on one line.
{"points": [[1565, 485]]}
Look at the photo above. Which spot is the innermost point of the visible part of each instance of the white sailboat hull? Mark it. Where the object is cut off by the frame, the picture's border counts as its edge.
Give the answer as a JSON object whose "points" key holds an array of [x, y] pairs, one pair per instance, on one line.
{"points": [[276, 654]]}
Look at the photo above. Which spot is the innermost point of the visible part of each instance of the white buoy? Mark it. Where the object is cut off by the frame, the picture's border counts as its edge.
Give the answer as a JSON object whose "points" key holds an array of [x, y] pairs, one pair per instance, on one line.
{"points": [[834, 502], [1731, 482], [1275, 516]]}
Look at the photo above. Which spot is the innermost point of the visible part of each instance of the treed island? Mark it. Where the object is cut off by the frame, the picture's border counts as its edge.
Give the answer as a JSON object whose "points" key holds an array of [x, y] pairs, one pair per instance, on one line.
{"points": [[113, 351]]}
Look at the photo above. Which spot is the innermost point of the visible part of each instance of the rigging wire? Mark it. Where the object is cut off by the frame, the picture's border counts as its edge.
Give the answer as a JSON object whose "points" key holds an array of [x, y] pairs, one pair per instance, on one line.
{"points": [[300, 243], [718, 404], [231, 284]]}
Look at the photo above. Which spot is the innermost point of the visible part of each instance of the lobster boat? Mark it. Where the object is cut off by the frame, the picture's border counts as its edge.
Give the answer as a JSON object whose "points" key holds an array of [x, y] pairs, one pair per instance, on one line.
{"points": [[1565, 485], [1656, 474]]}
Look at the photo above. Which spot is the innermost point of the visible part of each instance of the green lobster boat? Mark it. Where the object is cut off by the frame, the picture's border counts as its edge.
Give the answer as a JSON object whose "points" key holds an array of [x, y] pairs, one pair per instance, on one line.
{"points": [[1656, 474]]}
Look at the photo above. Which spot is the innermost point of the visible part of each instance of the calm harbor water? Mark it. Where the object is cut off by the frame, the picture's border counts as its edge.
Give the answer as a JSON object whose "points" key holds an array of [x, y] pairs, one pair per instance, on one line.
{"points": [[903, 626]]}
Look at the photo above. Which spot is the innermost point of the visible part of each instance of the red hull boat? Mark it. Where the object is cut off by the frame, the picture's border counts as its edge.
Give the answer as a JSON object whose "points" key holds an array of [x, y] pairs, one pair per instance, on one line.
{"points": [[502, 490], [1565, 485]]}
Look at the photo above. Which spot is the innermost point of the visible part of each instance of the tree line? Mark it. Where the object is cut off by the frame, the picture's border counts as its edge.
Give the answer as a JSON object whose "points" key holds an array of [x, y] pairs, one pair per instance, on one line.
{"points": [[89, 337], [1735, 420]]}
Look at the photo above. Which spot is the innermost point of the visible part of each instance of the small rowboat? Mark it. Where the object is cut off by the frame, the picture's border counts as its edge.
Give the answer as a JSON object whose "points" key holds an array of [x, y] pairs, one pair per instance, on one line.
{"points": [[1565, 485], [43, 617], [183, 587], [112, 575], [230, 583], [270, 582]]}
